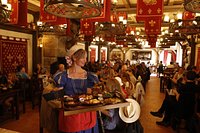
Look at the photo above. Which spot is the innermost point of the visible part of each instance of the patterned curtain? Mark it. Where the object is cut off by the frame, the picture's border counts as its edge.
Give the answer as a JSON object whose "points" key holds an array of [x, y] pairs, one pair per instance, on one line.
{"points": [[13, 52], [173, 56], [165, 57]]}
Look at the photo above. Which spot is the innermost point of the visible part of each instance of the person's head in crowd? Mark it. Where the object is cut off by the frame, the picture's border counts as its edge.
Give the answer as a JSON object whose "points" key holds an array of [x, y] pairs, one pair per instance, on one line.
{"points": [[189, 68], [79, 57], [61, 67], [180, 70], [115, 85], [125, 77], [21, 68], [191, 75], [124, 68], [195, 69]]}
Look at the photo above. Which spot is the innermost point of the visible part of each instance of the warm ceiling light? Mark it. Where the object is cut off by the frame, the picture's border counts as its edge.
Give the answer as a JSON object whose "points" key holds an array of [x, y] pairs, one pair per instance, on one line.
{"points": [[166, 18], [124, 22], [172, 20], [121, 18], [179, 16], [197, 15], [73, 8], [4, 2]]}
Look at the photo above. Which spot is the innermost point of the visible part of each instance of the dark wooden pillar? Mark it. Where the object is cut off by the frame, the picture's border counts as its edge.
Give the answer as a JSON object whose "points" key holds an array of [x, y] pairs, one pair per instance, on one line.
{"points": [[99, 52], [193, 50], [108, 52], [87, 44]]}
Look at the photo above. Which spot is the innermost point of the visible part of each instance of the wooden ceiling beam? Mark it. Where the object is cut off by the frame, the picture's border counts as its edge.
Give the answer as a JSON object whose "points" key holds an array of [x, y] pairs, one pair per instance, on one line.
{"points": [[171, 2], [173, 8], [126, 4]]}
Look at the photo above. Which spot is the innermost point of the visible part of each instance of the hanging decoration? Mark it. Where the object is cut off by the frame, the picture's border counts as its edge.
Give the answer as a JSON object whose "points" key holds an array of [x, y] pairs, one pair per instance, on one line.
{"points": [[73, 8], [23, 11], [44, 16], [87, 27], [147, 8], [153, 25], [192, 5], [105, 13], [152, 38], [14, 11]]}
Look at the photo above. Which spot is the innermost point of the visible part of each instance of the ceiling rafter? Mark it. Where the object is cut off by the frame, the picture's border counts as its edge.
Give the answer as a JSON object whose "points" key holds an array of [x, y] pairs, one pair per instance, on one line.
{"points": [[126, 3], [166, 9], [171, 2]]}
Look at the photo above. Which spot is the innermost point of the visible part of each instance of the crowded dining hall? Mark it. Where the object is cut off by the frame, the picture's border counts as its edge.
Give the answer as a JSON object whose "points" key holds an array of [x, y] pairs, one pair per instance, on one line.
{"points": [[99, 66]]}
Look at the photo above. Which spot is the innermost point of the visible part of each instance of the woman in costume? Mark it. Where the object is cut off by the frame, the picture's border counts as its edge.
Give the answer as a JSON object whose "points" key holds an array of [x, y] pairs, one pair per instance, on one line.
{"points": [[78, 81]]}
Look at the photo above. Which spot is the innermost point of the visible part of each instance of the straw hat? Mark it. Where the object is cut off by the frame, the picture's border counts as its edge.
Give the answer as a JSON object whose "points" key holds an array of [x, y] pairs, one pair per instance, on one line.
{"points": [[119, 80], [139, 79], [130, 113]]}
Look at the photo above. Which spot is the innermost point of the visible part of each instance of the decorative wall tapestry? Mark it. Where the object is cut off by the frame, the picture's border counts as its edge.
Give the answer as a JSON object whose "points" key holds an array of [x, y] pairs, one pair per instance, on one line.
{"points": [[13, 52]]}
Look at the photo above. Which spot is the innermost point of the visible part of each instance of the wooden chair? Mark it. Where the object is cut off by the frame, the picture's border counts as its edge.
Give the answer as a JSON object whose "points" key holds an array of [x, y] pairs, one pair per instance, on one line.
{"points": [[22, 85], [36, 91]]}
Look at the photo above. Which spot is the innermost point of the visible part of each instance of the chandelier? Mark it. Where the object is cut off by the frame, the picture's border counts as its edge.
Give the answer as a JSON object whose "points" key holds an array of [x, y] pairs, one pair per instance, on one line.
{"points": [[45, 28], [73, 8], [187, 27], [110, 28], [192, 5], [4, 11]]}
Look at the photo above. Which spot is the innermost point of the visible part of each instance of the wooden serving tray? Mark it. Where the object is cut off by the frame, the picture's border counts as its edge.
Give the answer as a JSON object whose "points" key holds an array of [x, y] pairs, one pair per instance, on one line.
{"points": [[82, 109]]}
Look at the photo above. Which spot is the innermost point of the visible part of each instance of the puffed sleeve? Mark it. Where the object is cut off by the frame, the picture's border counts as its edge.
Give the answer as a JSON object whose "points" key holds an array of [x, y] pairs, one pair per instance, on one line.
{"points": [[61, 80], [92, 79]]}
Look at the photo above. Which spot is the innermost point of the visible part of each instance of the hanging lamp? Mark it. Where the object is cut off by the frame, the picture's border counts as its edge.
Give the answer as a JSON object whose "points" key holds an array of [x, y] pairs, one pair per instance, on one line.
{"points": [[73, 9]]}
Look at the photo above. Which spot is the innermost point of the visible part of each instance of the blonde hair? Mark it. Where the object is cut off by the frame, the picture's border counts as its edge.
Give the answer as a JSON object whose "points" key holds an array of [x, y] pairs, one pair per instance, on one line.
{"points": [[112, 85], [79, 54]]}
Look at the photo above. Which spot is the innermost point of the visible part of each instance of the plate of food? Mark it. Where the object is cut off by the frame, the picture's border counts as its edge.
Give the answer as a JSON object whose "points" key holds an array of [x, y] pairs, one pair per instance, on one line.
{"points": [[113, 100], [71, 104], [91, 102]]}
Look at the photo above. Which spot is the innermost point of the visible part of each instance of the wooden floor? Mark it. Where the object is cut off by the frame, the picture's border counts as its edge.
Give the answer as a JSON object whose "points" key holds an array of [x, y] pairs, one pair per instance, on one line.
{"points": [[29, 122]]}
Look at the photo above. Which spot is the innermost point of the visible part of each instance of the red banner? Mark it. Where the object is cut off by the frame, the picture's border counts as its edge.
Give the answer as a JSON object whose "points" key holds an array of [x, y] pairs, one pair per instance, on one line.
{"points": [[113, 17], [147, 8], [103, 55], [122, 14], [14, 11], [130, 29], [13, 52], [92, 55], [23, 11], [152, 39], [87, 27], [68, 30], [188, 15], [153, 25], [105, 13], [44, 16]]}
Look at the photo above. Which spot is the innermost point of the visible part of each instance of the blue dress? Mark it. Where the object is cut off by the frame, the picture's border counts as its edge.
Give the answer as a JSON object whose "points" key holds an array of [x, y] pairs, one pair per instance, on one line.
{"points": [[72, 123]]}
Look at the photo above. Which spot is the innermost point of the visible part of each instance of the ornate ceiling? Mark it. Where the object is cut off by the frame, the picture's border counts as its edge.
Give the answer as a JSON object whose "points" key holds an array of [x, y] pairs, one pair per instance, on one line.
{"points": [[171, 8]]}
